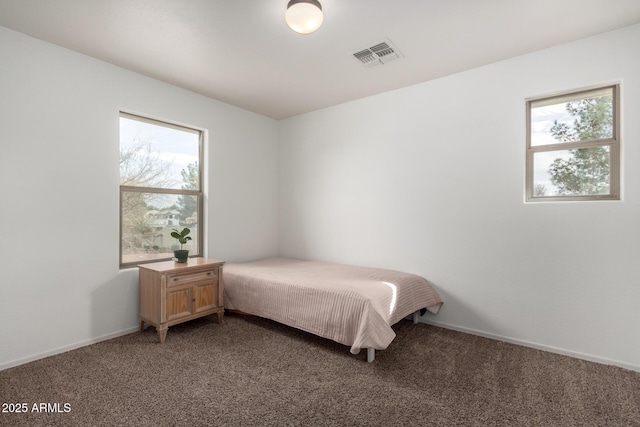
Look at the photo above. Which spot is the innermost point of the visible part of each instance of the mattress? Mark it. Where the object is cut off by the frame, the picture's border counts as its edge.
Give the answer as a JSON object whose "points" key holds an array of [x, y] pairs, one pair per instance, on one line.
{"points": [[355, 306]]}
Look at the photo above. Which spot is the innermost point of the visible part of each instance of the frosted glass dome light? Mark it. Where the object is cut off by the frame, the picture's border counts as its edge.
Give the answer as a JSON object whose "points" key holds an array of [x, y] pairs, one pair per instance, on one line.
{"points": [[304, 16]]}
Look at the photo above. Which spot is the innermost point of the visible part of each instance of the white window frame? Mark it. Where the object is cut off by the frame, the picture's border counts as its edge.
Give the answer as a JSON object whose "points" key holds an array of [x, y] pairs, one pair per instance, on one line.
{"points": [[613, 143]]}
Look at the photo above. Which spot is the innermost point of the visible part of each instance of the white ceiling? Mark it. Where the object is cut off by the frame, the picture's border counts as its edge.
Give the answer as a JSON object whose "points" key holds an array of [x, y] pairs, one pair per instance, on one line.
{"points": [[241, 51]]}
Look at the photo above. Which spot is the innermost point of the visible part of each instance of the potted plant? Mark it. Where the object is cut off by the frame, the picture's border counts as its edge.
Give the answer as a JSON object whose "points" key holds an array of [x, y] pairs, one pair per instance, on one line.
{"points": [[181, 255]]}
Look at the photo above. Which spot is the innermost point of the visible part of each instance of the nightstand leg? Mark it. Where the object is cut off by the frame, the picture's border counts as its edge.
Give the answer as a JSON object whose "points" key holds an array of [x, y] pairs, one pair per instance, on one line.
{"points": [[162, 333], [141, 325], [220, 315]]}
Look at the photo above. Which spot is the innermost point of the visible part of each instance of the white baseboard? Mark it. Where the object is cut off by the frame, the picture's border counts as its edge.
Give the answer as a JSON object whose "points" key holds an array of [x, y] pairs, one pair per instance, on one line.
{"points": [[557, 350], [510, 340], [66, 348]]}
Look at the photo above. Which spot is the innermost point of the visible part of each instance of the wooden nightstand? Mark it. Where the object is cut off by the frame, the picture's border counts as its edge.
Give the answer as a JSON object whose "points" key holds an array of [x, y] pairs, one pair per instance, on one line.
{"points": [[172, 292]]}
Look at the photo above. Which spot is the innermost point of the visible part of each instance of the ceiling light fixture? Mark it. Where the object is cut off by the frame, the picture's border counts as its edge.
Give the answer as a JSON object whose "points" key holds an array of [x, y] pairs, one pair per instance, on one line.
{"points": [[304, 16]]}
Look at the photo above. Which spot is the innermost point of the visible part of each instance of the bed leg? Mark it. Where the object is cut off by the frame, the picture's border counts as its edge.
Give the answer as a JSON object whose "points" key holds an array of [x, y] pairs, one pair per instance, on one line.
{"points": [[371, 354], [416, 316]]}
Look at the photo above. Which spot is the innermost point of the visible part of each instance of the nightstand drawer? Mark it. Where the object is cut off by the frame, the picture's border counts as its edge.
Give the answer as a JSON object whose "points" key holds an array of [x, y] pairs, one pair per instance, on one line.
{"points": [[181, 279]]}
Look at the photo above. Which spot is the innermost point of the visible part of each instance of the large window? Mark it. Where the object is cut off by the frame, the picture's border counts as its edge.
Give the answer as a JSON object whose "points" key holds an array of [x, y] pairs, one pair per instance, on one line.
{"points": [[573, 146], [160, 189]]}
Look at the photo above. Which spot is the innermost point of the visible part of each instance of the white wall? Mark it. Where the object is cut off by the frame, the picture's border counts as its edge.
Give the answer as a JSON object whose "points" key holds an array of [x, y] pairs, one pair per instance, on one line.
{"points": [[61, 286], [430, 179]]}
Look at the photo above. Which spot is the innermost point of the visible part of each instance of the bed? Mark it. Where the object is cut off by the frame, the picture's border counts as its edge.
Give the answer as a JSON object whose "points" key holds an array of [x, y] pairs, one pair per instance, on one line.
{"points": [[351, 305]]}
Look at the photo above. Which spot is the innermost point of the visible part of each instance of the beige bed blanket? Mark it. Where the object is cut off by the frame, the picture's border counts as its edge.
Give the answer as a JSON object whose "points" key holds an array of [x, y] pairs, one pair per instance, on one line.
{"points": [[355, 306]]}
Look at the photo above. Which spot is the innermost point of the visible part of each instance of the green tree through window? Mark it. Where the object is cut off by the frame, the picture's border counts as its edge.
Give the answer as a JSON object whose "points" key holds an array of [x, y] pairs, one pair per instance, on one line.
{"points": [[188, 205], [160, 188], [573, 147], [587, 170]]}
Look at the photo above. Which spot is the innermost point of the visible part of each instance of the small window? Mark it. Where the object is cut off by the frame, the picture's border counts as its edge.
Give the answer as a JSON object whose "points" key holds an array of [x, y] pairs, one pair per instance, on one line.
{"points": [[573, 146], [160, 189]]}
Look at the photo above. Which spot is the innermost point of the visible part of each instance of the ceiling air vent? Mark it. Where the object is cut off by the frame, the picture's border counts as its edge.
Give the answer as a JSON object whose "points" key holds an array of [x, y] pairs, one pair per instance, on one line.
{"points": [[378, 54]]}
